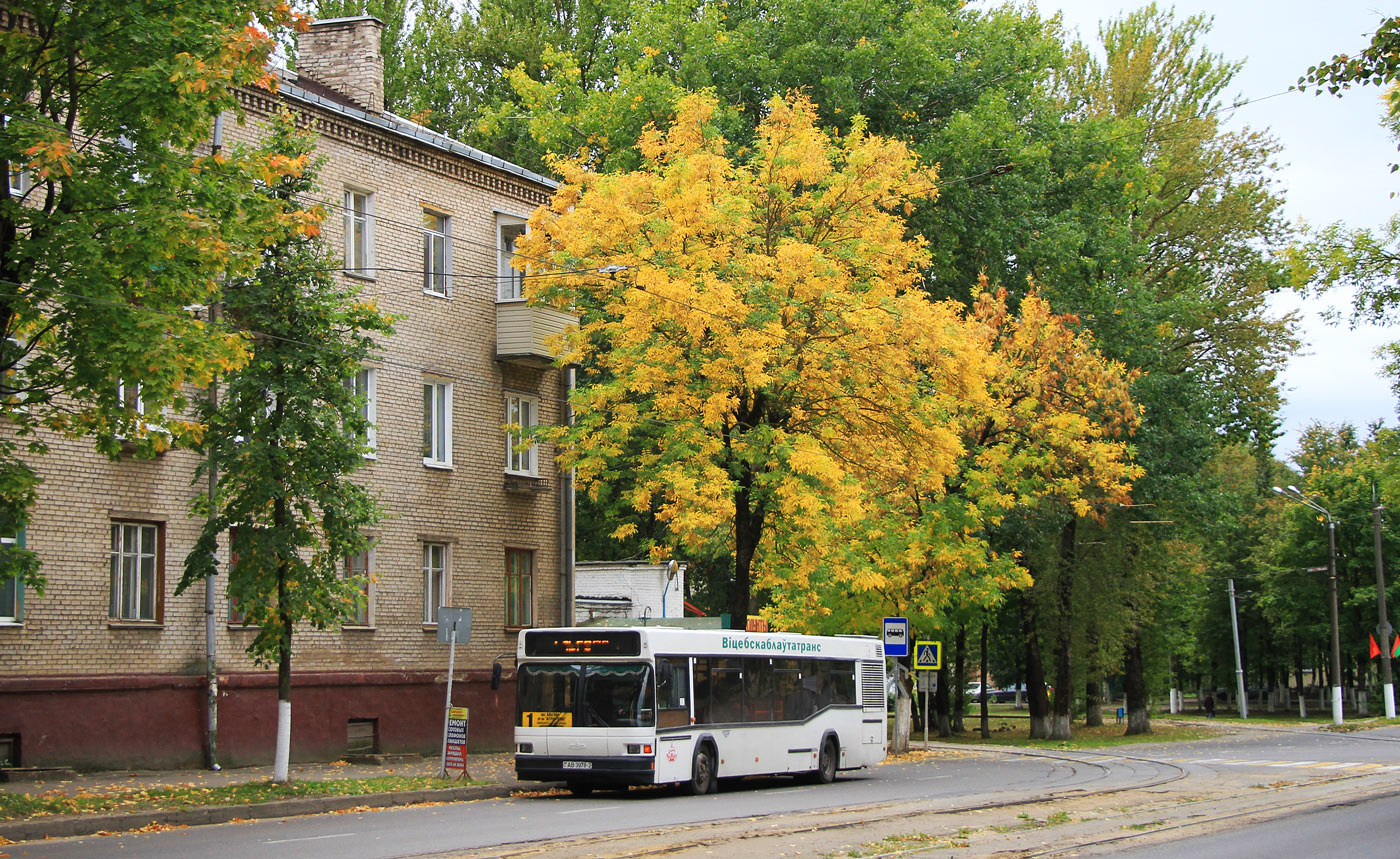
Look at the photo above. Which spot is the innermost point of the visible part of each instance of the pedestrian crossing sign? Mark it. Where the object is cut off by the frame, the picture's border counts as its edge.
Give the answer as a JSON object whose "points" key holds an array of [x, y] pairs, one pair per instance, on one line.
{"points": [[928, 655]]}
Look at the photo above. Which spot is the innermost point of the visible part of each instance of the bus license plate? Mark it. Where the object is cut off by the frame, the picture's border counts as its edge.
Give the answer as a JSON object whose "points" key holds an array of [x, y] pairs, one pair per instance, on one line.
{"points": [[578, 765]]}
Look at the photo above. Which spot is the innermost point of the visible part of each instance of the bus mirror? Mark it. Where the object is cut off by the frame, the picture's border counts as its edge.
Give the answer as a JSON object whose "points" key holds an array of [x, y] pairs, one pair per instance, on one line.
{"points": [[495, 675]]}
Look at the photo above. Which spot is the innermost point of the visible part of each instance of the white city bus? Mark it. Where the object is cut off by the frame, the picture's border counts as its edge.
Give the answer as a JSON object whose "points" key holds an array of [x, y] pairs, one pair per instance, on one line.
{"points": [[607, 707]]}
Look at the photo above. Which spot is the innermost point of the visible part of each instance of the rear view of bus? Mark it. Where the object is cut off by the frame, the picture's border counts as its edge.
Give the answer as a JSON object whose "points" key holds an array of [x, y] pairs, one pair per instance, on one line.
{"points": [[606, 707]]}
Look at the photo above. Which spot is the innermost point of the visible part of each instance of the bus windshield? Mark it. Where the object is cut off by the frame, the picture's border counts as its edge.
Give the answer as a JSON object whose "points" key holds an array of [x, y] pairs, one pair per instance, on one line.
{"points": [[586, 695]]}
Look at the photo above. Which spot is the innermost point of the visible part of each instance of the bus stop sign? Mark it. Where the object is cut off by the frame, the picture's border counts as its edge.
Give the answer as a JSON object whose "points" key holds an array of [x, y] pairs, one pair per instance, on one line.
{"points": [[896, 636]]}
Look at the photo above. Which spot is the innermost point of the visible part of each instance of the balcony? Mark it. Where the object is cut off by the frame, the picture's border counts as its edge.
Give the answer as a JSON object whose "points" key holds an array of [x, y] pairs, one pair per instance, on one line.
{"points": [[524, 332]]}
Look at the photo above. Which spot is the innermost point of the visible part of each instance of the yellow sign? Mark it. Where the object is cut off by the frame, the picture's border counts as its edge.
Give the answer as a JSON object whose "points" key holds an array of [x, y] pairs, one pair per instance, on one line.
{"points": [[928, 655], [457, 712], [546, 720]]}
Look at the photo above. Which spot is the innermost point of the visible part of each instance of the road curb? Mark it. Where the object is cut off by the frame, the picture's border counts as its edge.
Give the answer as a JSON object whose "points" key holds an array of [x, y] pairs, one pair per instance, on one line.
{"points": [[70, 826]]}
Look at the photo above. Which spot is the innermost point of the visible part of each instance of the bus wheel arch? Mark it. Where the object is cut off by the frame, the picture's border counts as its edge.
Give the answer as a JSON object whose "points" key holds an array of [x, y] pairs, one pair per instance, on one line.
{"points": [[704, 768], [828, 760]]}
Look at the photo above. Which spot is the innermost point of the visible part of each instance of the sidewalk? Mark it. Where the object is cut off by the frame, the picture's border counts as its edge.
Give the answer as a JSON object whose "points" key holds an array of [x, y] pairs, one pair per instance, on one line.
{"points": [[496, 770]]}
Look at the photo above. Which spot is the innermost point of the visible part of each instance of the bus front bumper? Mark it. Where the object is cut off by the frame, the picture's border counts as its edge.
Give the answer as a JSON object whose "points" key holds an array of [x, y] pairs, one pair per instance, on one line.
{"points": [[618, 771]]}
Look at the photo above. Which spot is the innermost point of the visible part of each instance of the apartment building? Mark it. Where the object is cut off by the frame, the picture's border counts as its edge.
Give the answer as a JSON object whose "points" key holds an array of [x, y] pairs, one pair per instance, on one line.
{"points": [[107, 668]]}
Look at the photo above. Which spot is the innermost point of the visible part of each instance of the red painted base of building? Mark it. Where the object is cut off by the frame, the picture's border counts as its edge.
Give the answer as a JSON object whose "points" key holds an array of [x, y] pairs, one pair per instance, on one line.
{"points": [[158, 721]]}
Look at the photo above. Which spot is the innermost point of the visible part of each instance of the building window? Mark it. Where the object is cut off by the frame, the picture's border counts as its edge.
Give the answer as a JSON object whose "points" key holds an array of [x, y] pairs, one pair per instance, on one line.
{"points": [[12, 590], [510, 281], [19, 180], [437, 254], [129, 395], [359, 233], [365, 384], [437, 424], [434, 580], [520, 587], [522, 413], [136, 571], [357, 570]]}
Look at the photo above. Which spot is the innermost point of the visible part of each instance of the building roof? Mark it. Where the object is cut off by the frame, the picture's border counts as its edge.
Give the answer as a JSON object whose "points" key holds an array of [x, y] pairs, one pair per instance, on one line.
{"points": [[309, 91]]}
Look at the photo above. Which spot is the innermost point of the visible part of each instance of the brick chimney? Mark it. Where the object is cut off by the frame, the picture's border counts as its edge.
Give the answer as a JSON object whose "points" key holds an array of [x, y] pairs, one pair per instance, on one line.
{"points": [[343, 54]]}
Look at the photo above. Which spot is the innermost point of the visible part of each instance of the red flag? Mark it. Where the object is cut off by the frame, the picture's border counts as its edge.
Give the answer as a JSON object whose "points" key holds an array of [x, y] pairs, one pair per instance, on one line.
{"points": [[1375, 648]]}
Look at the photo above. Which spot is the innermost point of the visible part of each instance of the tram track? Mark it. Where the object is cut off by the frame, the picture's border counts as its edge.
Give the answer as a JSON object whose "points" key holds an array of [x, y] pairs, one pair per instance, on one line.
{"points": [[678, 839]]}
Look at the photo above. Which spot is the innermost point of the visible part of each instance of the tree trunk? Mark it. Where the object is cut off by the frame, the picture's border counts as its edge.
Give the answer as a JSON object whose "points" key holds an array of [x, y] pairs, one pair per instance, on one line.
{"points": [[1063, 701], [899, 743], [1135, 688], [1036, 699], [986, 730], [959, 690], [1298, 672], [748, 529], [282, 758], [940, 703], [1093, 704]]}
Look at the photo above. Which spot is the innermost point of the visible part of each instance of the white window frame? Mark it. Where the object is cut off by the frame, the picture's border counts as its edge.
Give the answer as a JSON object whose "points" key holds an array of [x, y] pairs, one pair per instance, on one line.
{"points": [[510, 282], [129, 568], [437, 253], [524, 603], [129, 395], [363, 618], [365, 383], [359, 212], [435, 580], [19, 181], [437, 423], [522, 411], [14, 588], [19, 176]]}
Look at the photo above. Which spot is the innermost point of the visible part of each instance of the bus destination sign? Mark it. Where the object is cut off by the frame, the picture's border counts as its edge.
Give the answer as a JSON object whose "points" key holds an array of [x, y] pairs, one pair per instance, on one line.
{"points": [[592, 643]]}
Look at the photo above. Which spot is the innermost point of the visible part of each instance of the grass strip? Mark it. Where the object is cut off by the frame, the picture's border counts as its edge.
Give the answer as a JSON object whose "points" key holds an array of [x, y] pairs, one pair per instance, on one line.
{"points": [[121, 798]]}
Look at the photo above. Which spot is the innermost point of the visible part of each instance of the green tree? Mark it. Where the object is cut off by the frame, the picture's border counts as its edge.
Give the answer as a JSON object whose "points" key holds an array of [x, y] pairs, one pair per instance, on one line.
{"points": [[288, 433], [108, 229]]}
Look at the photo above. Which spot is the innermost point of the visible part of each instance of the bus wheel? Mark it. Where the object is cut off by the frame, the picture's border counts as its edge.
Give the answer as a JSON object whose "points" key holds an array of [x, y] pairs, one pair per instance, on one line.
{"points": [[702, 779], [825, 773], [578, 788]]}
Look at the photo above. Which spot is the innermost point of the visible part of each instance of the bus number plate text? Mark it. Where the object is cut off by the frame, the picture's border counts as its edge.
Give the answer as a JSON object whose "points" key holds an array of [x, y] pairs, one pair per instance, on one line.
{"points": [[578, 765]]}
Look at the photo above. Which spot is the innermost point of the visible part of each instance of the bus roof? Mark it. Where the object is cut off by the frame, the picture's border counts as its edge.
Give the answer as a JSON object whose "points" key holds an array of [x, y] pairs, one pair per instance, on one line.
{"points": [[718, 642]]}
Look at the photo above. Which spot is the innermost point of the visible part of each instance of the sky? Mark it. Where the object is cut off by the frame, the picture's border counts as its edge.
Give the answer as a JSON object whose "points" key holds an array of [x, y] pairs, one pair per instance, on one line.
{"points": [[1335, 166]]}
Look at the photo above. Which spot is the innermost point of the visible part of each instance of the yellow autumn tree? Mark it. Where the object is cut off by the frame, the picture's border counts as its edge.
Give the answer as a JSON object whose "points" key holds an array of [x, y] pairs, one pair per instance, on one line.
{"points": [[1053, 428], [760, 354]]}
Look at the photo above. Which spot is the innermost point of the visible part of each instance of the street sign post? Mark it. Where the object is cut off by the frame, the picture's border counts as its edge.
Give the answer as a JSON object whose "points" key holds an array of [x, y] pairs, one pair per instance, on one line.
{"points": [[896, 636], [453, 625]]}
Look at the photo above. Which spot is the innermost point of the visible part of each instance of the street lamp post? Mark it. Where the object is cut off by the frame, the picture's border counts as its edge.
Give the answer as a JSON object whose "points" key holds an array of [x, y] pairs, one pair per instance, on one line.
{"points": [[1293, 494]]}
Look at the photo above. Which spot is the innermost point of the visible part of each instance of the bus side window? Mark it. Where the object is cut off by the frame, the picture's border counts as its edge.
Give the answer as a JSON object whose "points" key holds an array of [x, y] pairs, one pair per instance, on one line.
{"points": [[702, 691], [789, 700], [758, 689], [843, 682], [673, 691], [727, 689]]}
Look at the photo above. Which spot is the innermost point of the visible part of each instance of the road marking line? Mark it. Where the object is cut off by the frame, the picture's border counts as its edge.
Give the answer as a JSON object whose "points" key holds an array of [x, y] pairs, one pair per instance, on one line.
{"points": [[1317, 764], [1367, 766], [1292, 763], [1340, 766], [310, 838]]}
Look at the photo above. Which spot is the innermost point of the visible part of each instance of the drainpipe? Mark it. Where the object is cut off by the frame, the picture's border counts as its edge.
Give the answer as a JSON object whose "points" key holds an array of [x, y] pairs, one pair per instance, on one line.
{"points": [[211, 642], [566, 518]]}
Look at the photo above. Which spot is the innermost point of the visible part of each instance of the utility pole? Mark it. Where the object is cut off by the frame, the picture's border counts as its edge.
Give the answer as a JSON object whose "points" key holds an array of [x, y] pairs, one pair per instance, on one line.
{"points": [[1387, 683], [1295, 495], [1239, 665]]}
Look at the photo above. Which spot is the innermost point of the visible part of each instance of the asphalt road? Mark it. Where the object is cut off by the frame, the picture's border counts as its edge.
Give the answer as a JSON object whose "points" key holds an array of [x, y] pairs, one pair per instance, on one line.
{"points": [[952, 779], [956, 777]]}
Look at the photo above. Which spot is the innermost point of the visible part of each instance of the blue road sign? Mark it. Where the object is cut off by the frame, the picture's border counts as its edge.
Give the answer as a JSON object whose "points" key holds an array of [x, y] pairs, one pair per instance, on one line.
{"points": [[928, 655], [896, 636]]}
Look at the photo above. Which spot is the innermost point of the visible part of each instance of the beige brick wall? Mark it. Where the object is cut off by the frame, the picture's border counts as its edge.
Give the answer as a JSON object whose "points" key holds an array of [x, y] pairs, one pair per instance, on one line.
{"points": [[469, 507]]}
